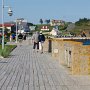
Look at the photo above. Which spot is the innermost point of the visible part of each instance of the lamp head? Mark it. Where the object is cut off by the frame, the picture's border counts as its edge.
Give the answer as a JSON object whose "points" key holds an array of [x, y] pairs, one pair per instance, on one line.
{"points": [[10, 12]]}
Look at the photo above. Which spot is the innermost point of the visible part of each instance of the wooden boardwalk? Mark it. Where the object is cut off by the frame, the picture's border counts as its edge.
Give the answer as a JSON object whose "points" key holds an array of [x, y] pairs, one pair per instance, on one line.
{"points": [[28, 70]]}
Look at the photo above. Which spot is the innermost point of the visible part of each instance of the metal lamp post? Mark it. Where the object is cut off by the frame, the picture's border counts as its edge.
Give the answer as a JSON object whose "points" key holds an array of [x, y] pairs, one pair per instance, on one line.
{"points": [[16, 31], [2, 24], [18, 21], [10, 14]]}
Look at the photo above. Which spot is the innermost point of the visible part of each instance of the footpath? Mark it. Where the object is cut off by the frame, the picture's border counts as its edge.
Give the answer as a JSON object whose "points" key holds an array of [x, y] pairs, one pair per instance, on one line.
{"points": [[28, 70]]}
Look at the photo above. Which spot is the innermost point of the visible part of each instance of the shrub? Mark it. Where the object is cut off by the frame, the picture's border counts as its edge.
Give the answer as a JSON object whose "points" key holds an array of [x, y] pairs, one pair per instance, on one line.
{"points": [[7, 50]]}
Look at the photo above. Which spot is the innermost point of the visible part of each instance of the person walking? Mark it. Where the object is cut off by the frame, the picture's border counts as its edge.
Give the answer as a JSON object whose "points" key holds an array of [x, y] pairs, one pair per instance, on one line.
{"points": [[13, 36], [20, 38], [83, 34], [41, 39], [35, 41], [24, 36]]}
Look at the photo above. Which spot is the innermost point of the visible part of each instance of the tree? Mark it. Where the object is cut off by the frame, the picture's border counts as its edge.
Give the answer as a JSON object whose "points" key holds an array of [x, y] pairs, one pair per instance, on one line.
{"points": [[30, 24], [47, 21], [41, 21], [83, 21]]}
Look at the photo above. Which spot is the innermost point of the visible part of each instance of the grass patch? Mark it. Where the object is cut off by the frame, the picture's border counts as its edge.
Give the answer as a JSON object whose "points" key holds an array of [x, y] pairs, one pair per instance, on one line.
{"points": [[7, 50]]}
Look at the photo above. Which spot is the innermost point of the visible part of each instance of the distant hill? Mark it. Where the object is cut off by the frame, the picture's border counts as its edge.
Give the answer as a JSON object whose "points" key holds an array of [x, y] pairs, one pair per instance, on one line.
{"points": [[71, 26], [81, 25]]}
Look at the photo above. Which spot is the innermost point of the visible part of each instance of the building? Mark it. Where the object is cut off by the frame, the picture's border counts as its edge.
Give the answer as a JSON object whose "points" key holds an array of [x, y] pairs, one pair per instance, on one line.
{"points": [[57, 22], [54, 32], [32, 28], [8, 26], [22, 25], [45, 28]]}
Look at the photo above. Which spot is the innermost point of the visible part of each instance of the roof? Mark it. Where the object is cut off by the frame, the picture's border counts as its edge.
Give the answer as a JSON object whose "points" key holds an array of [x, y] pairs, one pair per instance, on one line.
{"points": [[7, 25], [44, 28]]}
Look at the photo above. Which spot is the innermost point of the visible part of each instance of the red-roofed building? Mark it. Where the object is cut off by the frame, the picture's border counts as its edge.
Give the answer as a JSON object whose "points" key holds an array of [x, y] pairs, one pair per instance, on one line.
{"points": [[45, 28], [8, 26]]}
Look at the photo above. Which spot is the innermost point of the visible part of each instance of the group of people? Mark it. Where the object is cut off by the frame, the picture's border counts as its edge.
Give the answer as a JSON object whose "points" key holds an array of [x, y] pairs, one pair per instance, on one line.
{"points": [[20, 36], [38, 40]]}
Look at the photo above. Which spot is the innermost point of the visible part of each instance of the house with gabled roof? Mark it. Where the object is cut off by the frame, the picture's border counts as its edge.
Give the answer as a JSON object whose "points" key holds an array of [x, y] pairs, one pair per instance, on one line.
{"points": [[9, 26], [57, 22]]}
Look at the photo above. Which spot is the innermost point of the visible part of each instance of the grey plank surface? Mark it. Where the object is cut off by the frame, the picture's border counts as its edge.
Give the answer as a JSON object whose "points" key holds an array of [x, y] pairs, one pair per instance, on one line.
{"points": [[28, 70]]}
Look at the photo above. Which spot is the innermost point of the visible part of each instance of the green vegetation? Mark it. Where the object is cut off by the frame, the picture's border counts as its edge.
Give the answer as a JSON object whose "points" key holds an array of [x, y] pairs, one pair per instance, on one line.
{"points": [[63, 27], [68, 28], [7, 50], [81, 25], [39, 26], [83, 22], [46, 33]]}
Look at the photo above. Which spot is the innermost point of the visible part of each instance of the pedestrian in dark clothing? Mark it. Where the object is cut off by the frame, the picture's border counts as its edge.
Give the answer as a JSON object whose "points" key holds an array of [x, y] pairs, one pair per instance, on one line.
{"points": [[83, 34], [13, 36], [20, 38], [41, 39], [24, 37]]}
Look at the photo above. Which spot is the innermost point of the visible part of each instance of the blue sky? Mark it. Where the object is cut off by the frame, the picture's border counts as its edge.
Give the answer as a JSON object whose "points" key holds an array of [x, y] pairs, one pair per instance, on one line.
{"points": [[34, 10]]}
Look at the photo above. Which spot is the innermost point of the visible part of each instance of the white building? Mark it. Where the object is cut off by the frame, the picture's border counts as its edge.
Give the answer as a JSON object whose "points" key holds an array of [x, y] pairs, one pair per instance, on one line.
{"points": [[54, 32], [32, 28]]}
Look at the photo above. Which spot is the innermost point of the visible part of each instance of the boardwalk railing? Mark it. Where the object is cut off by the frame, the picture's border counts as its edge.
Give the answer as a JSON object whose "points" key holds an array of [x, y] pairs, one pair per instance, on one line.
{"points": [[70, 52]]}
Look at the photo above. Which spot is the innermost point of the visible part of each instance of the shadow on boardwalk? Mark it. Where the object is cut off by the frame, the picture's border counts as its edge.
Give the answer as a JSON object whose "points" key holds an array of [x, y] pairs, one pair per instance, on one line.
{"points": [[28, 70]]}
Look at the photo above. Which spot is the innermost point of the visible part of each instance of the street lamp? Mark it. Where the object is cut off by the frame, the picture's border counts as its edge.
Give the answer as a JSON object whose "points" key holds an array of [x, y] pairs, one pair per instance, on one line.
{"points": [[16, 31], [18, 21], [10, 14]]}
